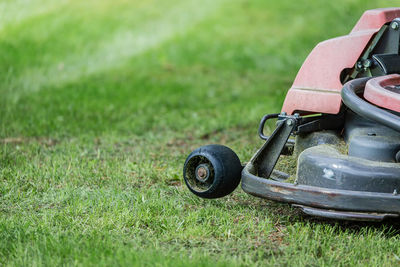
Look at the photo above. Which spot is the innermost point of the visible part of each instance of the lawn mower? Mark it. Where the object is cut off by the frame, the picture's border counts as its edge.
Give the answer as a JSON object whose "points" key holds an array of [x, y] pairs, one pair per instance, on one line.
{"points": [[340, 120]]}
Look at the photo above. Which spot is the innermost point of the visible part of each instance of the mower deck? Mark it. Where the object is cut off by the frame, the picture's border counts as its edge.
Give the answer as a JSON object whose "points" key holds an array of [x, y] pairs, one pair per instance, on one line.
{"points": [[324, 202]]}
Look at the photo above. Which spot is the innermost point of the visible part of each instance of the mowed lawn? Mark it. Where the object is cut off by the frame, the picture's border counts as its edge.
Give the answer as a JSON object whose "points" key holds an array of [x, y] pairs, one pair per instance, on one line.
{"points": [[101, 102]]}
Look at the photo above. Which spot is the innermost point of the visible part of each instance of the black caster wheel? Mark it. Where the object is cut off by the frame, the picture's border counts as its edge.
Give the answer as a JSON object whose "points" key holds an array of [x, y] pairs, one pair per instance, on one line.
{"points": [[212, 171]]}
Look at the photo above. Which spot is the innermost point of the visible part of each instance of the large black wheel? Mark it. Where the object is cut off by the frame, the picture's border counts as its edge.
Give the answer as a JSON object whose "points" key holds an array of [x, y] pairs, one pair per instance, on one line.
{"points": [[212, 171]]}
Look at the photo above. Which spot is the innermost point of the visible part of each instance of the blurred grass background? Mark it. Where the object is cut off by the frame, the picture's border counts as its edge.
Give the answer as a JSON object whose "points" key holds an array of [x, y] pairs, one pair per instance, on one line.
{"points": [[101, 101]]}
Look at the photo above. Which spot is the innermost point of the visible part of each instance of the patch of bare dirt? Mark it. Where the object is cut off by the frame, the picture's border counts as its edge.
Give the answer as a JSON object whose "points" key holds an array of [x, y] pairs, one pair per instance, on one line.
{"points": [[25, 140]]}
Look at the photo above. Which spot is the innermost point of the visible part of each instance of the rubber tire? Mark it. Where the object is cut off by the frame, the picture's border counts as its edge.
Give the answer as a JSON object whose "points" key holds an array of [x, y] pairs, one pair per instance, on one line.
{"points": [[227, 170]]}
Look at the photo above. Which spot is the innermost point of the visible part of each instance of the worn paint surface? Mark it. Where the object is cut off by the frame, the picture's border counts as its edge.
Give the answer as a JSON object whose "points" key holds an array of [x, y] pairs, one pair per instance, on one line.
{"points": [[317, 85], [384, 91]]}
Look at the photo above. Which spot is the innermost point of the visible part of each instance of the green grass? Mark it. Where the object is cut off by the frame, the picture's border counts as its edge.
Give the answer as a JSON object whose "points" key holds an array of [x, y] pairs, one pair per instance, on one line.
{"points": [[101, 101]]}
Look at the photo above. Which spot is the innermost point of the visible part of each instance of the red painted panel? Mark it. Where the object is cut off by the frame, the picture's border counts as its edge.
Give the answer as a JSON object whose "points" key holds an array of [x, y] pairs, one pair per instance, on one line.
{"points": [[321, 70], [375, 18], [312, 101]]}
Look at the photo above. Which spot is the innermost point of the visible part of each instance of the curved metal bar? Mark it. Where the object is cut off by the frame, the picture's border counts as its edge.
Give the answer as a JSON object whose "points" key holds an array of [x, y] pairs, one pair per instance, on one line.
{"points": [[365, 109], [262, 123]]}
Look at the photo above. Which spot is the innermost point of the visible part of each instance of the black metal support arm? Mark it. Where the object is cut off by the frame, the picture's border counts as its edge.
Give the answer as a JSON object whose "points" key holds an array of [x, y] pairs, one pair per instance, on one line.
{"points": [[266, 158]]}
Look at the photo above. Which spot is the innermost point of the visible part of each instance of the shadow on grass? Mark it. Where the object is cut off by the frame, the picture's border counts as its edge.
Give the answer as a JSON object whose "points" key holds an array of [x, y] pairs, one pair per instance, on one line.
{"points": [[285, 214], [388, 228]]}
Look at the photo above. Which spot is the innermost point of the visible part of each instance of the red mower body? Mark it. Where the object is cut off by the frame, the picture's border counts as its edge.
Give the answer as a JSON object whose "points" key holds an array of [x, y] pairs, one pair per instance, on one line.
{"points": [[347, 153], [318, 84]]}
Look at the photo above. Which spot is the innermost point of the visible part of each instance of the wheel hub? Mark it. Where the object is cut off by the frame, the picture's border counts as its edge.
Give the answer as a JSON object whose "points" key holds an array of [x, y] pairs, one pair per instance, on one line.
{"points": [[202, 172]]}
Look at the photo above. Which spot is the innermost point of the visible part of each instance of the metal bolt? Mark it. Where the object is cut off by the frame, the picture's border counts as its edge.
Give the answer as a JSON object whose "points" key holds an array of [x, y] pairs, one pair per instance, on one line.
{"points": [[202, 172], [289, 122], [367, 63], [395, 25], [359, 65]]}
